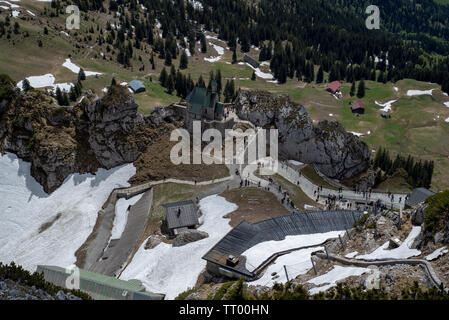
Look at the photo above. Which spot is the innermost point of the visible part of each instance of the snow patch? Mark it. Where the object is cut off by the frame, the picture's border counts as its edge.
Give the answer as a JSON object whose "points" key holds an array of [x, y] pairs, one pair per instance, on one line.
{"points": [[75, 69], [437, 253], [386, 106], [121, 215], [45, 80], [351, 254], [172, 270], [338, 273], [419, 92], [402, 252], [70, 212], [297, 263], [261, 74], [261, 251]]}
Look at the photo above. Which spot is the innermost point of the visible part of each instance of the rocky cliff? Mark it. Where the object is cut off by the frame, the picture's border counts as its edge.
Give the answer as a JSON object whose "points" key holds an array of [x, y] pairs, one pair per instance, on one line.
{"points": [[335, 152], [96, 133]]}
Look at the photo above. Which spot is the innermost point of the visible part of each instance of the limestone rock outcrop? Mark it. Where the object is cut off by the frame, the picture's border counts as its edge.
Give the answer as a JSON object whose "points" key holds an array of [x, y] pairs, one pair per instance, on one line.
{"points": [[59, 141], [336, 153]]}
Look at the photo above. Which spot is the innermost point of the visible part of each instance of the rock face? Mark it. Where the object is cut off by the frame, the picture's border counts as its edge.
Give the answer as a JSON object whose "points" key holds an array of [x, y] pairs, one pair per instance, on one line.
{"points": [[187, 236], [418, 213], [335, 152], [97, 133]]}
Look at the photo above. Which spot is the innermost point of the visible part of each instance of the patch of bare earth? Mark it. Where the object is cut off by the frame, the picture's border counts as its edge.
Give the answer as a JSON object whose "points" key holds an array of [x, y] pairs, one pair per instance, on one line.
{"points": [[155, 164], [253, 205]]}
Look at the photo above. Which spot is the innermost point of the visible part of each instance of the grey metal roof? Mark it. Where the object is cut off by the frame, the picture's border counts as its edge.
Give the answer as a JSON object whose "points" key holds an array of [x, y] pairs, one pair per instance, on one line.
{"points": [[251, 61], [246, 235], [99, 286], [187, 218], [418, 195], [136, 85]]}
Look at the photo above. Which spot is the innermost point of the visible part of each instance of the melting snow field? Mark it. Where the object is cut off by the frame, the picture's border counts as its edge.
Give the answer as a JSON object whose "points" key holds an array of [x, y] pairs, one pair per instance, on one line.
{"points": [[12, 5], [402, 252], [437, 253], [75, 69], [338, 273], [297, 262], [219, 50], [172, 270], [446, 120], [69, 213], [261, 251], [46, 80], [386, 106], [121, 215], [419, 92], [261, 74]]}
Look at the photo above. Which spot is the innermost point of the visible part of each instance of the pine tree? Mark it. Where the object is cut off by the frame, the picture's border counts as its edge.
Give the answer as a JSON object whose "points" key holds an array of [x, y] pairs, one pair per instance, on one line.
{"points": [[253, 77], [59, 97], [170, 84], [81, 75], [203, 43], [201, 82], [113, 82], [16, 28], [65, 99], [168, 59], [72, 94], [219, 81], [361, 89], [378, 178], [183, 61], [163, 77], [352, 92], [26, 86], [234, 56], [319, 76]]}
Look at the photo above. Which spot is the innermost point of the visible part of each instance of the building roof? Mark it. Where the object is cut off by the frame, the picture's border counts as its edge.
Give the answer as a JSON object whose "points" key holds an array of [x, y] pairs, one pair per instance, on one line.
{"points": [[246, 235], [418, 195], [334, 86], [99, 286], [188, 216], [198, 98], [251, 61], [136, 85], [357, 104]]}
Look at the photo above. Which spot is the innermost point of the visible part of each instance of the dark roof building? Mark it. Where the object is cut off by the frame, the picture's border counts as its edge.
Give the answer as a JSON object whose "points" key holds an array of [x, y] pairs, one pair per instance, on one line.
{"points": [[137, 86], [251, 61], [334, 87], [203, 104], [199, 99], [358, 107], [418, 195], [180, 215]]}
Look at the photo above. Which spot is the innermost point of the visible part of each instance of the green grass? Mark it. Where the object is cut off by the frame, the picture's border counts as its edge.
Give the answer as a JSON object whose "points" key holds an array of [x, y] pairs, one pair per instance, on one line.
{"points": [[310, 173]]}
